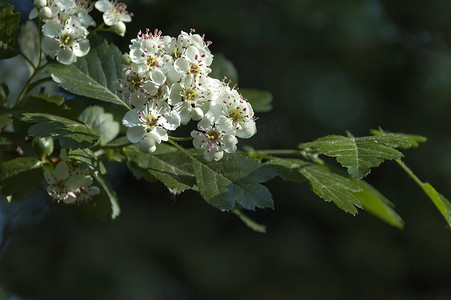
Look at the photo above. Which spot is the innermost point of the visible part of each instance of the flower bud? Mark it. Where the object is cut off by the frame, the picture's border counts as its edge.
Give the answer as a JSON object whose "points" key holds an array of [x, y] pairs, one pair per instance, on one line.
{"points": [[45, 13], [147, 145], [125, 59], [40, 3], [197, 114], [119, 28]]}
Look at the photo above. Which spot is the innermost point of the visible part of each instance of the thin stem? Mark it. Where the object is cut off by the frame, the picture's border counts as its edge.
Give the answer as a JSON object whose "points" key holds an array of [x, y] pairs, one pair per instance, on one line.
{"points": [[28, 60], [26, 87], [170, 141], [249, 222], [280, 152], [181, 139], [408, 171], [39, 81]]}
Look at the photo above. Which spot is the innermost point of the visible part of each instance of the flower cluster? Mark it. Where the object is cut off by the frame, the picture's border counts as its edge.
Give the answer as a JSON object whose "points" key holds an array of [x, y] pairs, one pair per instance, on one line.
{"points": [[70, 183], [66, 24], [167, 84]]}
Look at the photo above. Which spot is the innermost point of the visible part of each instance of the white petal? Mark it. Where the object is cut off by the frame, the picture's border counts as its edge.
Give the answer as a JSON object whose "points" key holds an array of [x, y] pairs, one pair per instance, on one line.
{"points": [[229, 143], [65, 56], [50, 46], [49, 177], [172, 121], [174, 94], [157, 77], [181, 65], [52, 28], [193, 54], [61, 170], [71, 198], [247, 130], [135, 134], [82, 48], [103, 5], [131, 118], [109, 18]]}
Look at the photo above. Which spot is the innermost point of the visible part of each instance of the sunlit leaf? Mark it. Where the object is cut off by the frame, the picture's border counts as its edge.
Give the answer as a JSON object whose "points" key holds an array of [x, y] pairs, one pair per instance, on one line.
{"points": [[94, 76], [361, 154]]}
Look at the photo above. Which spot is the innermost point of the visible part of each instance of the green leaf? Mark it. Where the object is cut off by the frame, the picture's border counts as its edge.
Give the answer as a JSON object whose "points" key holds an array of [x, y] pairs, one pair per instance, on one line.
{"points": [[174, 170], [5, 119], [233, 179], [92, 76], [442, 204], [260, 100], [398, 140], [361, 154], [96, 118], [288, 169], [119, 142], [9, 27], [332, 186], [29, 43], [221, 66], [14, 173], [375, 203], [71, 134], [114, 203]]}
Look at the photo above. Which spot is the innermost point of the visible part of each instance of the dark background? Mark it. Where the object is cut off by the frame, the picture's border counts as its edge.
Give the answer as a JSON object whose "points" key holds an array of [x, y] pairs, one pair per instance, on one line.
{"points": [[331, 66]]}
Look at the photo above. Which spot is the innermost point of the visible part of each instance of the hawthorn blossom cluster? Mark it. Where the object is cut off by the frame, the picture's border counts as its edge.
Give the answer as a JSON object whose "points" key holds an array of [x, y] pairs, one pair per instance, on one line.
{"points": [[70, 183], [167, 84], [66, 24]]}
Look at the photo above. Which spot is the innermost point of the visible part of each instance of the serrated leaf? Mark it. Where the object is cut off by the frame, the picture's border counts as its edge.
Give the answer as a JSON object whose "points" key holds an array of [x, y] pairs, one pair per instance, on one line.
{"points": [[442, 204], [358, 155], [14, 173], [233, 179], [398, 140], [260, 100], [71, 134], [375, 203], [288, 169], [9, 27], [29, 43], [96, 118], [221, 66], [92, 76], [174, 170], [332, 186]]}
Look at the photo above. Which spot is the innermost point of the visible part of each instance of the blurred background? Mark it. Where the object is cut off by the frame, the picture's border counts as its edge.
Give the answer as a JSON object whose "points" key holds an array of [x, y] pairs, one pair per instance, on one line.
{"points": [[332, 66]]}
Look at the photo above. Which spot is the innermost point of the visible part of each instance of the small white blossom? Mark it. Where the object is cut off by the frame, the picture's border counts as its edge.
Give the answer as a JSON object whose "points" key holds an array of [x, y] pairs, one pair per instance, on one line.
{"points": [[231, 108], [69, 183], [65, 41], [214, 138], [148, 126], [114, 12]]}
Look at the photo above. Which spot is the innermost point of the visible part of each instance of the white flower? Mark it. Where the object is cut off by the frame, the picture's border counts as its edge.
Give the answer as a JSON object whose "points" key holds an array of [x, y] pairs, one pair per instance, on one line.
{"points": [[214, 138], [195, 62], [114, 12], [51, 9], [190, 98], [137, 88], [81, 10], [66, 41], [69, 183], [231, 108], [148, 51], [148, 126]]}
